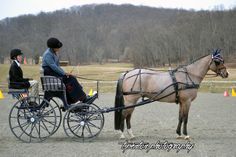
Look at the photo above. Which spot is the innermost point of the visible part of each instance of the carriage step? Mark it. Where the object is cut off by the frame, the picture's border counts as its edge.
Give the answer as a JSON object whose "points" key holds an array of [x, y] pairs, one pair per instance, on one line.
{"points": [[28, 107], [80, 109], [32, 105]]}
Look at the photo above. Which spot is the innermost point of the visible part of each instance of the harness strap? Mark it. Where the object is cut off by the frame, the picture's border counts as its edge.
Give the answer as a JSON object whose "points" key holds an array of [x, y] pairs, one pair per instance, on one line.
{"points": [[176, 85], [139, 74]]}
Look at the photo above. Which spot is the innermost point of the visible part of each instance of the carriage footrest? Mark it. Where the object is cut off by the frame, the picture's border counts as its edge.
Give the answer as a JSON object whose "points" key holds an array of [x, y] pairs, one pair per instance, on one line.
{"points": [[91, 99]]}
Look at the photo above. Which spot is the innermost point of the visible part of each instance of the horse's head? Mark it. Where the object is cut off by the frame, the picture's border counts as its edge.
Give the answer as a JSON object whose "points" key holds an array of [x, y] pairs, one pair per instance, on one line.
{"points": [[217, 64]]}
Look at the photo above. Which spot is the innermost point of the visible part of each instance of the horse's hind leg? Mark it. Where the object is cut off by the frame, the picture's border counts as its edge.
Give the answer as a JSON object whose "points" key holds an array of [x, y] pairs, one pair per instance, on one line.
{"points": [[122, 136], [126, 114], [130, 133]]}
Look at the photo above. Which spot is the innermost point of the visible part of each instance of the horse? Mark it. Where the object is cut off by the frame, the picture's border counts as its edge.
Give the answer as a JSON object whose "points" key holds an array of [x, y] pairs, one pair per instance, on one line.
{"points": [[175, 86]]}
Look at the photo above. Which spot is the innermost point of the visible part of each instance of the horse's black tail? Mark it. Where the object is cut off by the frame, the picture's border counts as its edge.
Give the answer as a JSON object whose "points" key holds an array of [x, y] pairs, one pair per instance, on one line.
{"points": [[119, 101]]}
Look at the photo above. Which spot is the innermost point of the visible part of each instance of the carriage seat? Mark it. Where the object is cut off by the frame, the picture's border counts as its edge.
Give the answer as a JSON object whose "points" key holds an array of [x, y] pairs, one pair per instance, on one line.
{"points": [[52, 83], [54, 87], [17, 93]]}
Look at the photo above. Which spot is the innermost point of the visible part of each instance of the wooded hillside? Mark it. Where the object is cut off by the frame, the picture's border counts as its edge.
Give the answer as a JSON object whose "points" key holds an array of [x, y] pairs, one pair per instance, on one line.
{"points": [[142, 35]]}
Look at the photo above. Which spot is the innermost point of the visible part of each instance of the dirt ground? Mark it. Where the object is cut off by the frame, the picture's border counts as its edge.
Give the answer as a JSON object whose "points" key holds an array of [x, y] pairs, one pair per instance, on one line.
{"points": [[212, 126]]}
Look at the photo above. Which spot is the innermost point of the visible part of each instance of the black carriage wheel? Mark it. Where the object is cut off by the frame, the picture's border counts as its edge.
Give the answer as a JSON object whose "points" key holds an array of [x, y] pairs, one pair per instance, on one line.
{"points": [[32, 122], [83, 121]]}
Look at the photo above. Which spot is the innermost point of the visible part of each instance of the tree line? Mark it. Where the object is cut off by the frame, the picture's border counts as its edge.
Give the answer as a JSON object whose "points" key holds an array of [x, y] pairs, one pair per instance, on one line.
{"points": [[144, 36]]}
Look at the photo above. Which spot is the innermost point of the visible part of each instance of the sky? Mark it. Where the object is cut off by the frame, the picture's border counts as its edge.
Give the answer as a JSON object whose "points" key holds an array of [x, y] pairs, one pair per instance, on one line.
{"points": [[13, 8]]}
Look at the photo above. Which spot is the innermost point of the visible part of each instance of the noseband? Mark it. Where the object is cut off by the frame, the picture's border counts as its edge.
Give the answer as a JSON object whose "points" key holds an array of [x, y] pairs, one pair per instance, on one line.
{"points": [[219, 66]]}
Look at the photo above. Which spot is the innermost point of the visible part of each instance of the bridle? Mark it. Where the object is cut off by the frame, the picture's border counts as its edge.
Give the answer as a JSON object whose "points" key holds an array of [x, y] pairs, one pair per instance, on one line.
{"points": [[219, 63]]}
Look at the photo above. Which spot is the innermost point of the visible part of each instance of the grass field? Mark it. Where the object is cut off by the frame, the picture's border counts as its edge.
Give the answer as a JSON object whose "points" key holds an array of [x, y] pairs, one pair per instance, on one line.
{"points": [[108, 72]]}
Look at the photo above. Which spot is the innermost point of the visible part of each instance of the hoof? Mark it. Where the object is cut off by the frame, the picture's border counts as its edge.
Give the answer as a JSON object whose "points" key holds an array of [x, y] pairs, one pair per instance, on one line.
{"points": [[130, 133], [132, 137], [122, 136], [187, 137], [179, 137]]}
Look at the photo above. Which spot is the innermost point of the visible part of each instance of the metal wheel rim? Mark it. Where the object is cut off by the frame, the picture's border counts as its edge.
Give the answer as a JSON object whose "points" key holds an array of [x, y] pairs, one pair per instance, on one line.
{"points": [[70, 130], [32, 138]]}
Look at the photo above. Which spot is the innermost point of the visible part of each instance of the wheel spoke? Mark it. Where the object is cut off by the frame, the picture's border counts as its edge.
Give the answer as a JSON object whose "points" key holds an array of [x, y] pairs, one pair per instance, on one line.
{"points": [[51, 116], [74, 120], [91, 114], [79, 115], [21, 134], [45, 128], [52, 123], [77, 127], [37, 131], [32, 128], [91, 124], [23, 131], [24, 112], [82, 134], [89, 130], [20, 126], [98, 117], [19, 117], [49, 110]]}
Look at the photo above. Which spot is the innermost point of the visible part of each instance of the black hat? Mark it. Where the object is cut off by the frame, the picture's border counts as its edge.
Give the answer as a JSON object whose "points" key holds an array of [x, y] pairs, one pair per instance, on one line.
{"points": [[15, 53], [54, 43]]}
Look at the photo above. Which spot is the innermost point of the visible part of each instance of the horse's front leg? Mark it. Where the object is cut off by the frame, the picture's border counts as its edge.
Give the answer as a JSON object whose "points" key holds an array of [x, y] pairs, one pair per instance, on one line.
{"points": [[185, 127], [178, 130], [185, 119]]}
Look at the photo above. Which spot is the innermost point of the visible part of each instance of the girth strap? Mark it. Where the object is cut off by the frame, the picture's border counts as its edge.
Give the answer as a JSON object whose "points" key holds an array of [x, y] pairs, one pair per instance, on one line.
{"points": [[175, 84]]}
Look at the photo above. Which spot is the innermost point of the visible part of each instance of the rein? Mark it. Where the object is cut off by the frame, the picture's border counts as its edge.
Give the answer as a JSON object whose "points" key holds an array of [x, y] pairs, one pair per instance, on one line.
{"points": [[89, 79]]}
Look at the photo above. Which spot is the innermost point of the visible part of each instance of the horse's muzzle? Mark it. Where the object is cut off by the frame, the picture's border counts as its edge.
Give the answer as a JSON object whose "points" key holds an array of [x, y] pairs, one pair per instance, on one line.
{"points": [[224, 74]]}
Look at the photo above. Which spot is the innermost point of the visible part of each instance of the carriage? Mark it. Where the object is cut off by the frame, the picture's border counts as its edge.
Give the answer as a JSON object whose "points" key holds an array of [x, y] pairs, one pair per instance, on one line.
{"points": [[34, 119]]}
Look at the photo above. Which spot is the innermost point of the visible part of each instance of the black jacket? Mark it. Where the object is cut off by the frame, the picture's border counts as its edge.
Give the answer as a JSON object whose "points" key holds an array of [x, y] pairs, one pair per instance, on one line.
{"points": [[16, 77]]}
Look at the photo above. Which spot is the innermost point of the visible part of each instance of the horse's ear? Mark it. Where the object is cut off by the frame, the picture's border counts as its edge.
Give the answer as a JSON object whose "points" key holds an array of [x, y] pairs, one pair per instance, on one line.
{"points": [[216, 52], [217, 56]]}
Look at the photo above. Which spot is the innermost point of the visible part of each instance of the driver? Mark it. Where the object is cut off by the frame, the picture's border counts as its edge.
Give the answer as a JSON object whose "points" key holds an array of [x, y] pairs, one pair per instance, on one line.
{"points": [[50, 65]]}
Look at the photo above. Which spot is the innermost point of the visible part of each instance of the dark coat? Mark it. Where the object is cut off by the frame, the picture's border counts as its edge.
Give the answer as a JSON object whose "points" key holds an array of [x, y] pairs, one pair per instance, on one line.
{"points": [[16, 77]]}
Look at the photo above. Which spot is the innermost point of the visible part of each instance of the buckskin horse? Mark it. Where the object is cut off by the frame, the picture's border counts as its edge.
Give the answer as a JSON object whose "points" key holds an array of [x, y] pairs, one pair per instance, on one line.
{"points": [[175, 86]]}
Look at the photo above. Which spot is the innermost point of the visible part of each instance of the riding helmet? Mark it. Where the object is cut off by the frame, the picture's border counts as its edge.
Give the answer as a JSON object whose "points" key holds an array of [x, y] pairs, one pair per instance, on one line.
{"points": [[54, 43], [14, 53]]}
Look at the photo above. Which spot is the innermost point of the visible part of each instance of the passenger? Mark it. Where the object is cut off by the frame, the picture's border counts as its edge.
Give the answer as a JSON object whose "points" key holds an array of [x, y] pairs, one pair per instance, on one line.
{"points": [[16, 75]]}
